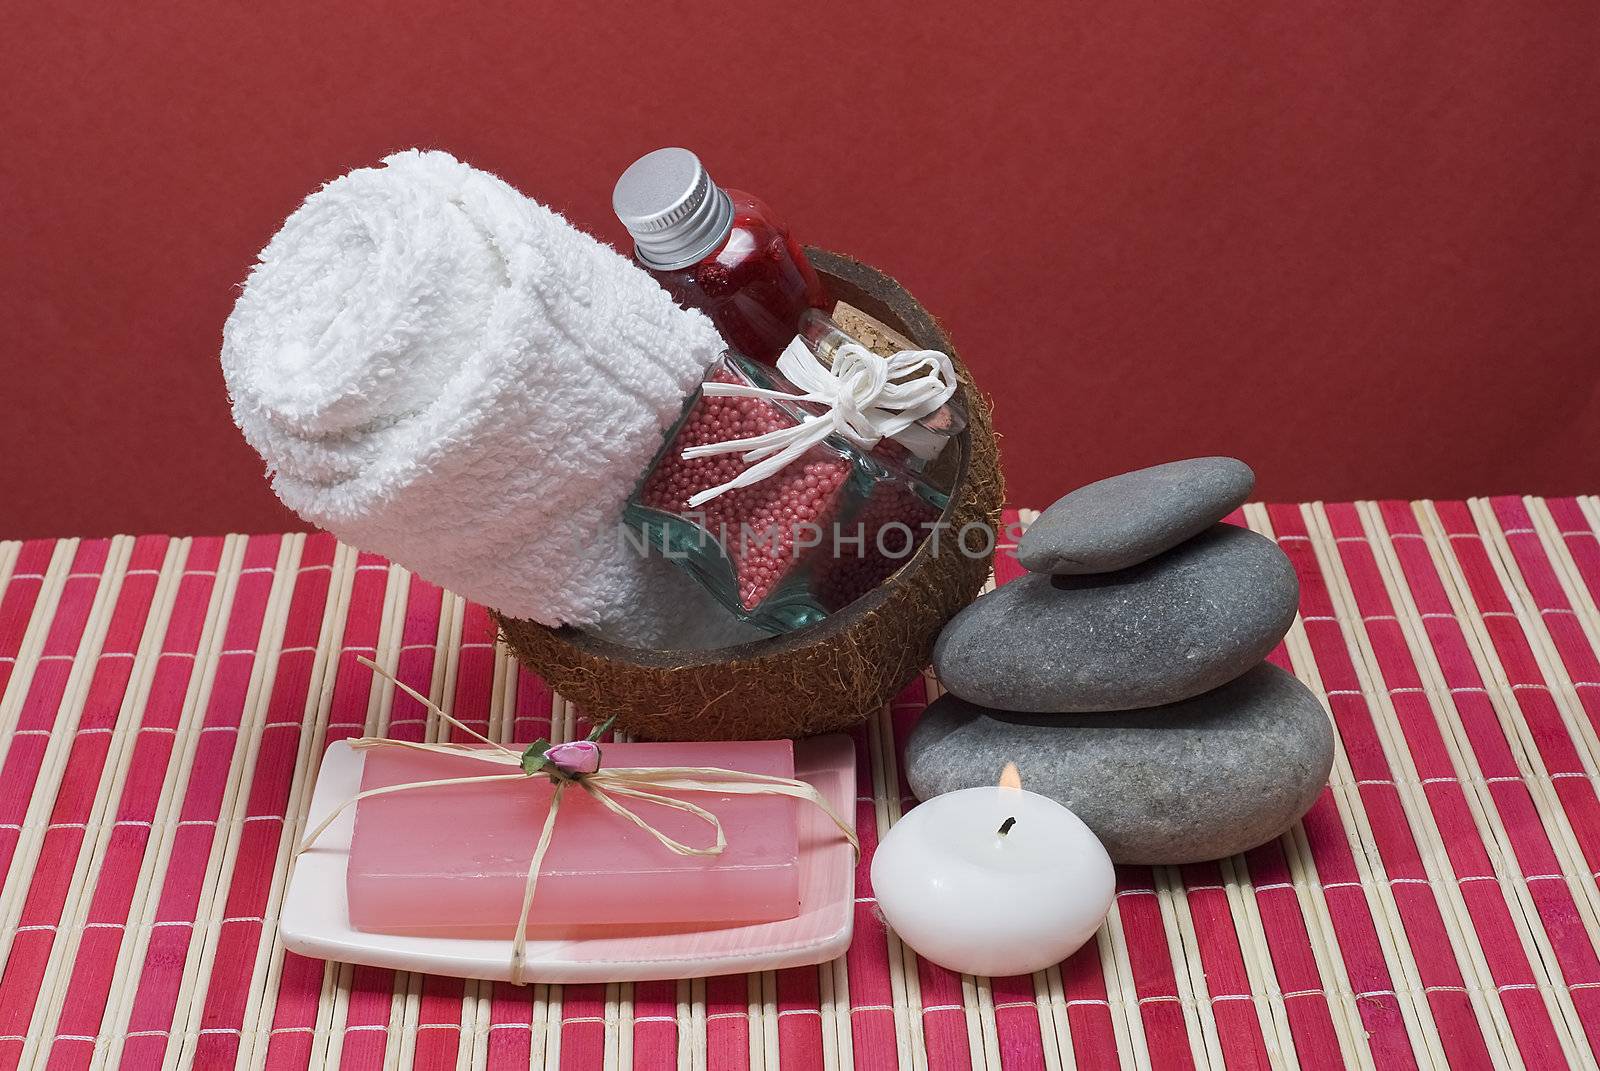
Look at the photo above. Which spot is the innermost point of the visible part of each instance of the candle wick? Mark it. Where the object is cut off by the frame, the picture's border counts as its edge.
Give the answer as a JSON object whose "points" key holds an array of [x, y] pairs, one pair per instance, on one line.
{"points": [[1005, 827]]}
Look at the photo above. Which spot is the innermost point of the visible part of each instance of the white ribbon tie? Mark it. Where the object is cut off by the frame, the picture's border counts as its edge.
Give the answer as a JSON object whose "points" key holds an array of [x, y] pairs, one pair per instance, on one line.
{"points": [[867, 398]]}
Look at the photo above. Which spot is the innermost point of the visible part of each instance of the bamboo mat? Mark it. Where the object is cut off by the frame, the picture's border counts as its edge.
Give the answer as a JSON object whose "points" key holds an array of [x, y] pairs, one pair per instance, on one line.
{"points": [[165, 702]]}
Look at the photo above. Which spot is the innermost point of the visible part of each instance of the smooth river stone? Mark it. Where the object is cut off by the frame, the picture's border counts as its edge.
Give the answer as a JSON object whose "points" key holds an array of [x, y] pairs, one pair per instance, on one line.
{"points": [[1209, 777], [1131, 518], [1178, 625]]}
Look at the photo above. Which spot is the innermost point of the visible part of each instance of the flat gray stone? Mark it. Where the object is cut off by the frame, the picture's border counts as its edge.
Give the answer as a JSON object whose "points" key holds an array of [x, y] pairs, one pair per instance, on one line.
{"points": [[1209, 777], [1131, 518], [1181, 624]]}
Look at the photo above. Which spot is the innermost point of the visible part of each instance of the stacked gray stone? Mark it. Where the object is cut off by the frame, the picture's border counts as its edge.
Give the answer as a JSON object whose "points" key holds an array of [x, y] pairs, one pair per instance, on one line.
{"points": [[1125, 676]]}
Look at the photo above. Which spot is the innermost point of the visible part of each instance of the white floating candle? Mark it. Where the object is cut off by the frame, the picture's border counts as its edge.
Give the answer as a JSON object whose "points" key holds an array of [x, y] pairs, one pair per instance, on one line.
{"points": [[993, 881]]}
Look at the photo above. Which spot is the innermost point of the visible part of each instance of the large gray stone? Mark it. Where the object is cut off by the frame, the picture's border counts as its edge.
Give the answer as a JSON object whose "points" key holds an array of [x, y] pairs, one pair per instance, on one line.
{"points": [[1212, 776], [1181, 624], [1131, 518]]}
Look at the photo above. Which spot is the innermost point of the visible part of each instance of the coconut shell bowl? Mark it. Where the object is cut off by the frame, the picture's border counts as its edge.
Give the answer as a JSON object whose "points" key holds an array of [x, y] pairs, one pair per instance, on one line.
{"points": [[818, 679]]}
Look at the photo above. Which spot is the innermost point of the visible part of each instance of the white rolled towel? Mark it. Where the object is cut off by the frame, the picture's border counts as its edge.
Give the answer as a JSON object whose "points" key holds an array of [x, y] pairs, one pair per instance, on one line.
{"points": [[441, 370]]}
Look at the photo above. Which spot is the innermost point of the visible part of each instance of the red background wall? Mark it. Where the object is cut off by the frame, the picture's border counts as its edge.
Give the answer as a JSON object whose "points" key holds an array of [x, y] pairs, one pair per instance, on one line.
{"points": [[1354, 244]]}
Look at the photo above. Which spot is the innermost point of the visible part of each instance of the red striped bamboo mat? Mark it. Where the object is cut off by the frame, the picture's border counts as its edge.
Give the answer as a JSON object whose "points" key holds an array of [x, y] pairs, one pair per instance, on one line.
{"points": [[165, 702]]}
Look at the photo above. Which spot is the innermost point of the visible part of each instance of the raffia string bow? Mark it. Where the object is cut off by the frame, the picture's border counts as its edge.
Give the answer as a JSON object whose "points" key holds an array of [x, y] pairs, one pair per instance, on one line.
{"points": [[578, 763], [867, 398]]}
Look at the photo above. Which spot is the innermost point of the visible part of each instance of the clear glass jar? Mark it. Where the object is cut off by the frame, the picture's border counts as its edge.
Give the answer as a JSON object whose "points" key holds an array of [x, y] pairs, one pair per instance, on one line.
{"points": [[788, 550], [921, 447]]}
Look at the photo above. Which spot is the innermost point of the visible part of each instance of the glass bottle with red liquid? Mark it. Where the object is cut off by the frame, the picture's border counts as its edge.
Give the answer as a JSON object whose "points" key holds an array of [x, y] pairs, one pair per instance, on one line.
{"points": [[720, 251], [807, 533]]}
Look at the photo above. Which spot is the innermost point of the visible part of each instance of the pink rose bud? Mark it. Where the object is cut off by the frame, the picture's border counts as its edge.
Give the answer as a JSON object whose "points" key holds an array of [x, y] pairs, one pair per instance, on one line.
{"points": [[575, 757]]}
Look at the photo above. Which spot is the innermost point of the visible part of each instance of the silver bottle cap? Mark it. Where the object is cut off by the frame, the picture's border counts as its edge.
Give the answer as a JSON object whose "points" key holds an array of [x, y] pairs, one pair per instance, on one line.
{"points": [[675, 213]]}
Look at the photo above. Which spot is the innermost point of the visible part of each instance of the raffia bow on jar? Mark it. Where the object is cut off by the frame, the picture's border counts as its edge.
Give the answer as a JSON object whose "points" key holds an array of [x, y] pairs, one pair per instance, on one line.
{"points": [[863, 399], [578, 763]]}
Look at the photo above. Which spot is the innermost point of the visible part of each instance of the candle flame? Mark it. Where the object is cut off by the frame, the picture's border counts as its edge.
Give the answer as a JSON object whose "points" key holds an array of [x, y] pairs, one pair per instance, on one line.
{"points": [[1010, 778]]}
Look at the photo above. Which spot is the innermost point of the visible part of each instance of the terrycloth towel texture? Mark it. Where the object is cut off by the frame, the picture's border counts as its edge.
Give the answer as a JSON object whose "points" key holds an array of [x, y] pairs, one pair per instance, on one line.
{"points": [[441, 370]]}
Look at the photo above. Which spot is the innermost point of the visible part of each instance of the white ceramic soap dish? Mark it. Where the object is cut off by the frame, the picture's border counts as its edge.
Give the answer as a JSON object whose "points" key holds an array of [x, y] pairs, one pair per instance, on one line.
{"points": [[315, 920]]}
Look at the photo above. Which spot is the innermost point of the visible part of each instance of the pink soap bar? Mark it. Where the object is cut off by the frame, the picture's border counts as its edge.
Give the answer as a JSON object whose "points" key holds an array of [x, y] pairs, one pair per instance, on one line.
{"points": [[454, 861]]}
